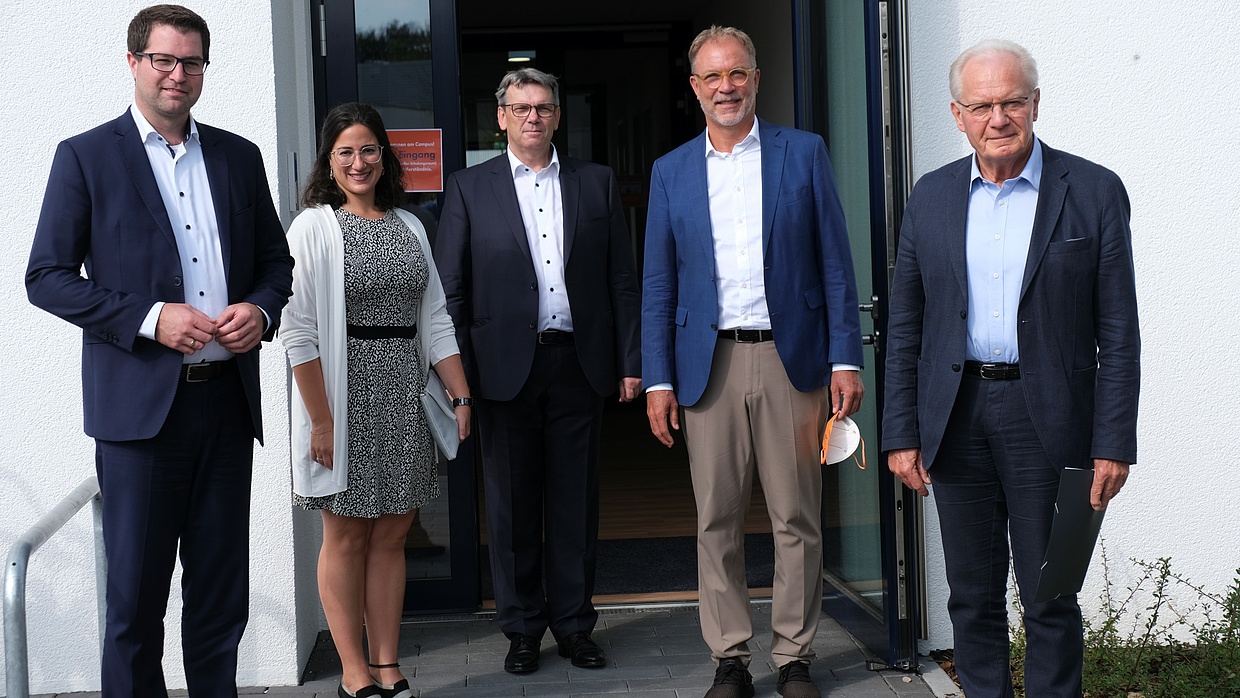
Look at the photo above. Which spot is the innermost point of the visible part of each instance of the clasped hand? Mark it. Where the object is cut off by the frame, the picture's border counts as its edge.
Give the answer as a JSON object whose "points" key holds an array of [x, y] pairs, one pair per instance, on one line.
{"points": [[185, 328]]}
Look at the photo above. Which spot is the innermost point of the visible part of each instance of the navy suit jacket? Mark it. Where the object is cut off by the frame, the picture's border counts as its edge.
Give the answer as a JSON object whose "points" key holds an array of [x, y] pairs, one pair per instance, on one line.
{"points": [[811, 290], [484, 261], [1077, 332], [103, 211]]}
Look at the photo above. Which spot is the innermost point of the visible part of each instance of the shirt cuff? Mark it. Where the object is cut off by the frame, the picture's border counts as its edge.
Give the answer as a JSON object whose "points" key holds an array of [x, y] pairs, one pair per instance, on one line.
{"points": [[151, 322], [659, 386], [844, 367]]}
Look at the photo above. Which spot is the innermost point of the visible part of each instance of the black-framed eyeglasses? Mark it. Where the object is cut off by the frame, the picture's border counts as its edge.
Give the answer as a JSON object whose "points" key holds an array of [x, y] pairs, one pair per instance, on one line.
{"points": [[736, 76], [344, 157], [983, 110], [166, 63], [521, 111]]}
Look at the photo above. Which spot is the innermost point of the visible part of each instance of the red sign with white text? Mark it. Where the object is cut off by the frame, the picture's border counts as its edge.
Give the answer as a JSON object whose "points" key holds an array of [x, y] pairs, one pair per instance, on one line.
{"points": [[421, 156]]}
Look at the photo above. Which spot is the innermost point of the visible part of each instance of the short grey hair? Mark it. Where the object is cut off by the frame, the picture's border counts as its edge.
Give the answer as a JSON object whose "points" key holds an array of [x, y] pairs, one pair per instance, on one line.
{"points": [[716, 33], [528, 76], [992, 47]]}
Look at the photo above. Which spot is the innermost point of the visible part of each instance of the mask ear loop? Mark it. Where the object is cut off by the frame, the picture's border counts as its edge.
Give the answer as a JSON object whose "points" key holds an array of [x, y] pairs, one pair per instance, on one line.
{"points": [[826, 441]]}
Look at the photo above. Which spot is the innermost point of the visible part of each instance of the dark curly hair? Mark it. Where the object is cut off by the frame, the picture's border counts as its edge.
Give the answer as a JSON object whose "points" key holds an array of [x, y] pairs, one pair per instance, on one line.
{"points": [[321, 188]]}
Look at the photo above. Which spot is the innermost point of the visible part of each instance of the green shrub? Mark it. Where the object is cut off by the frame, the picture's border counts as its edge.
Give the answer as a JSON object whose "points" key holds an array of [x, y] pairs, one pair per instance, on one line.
{"points": [[1151, 660]]}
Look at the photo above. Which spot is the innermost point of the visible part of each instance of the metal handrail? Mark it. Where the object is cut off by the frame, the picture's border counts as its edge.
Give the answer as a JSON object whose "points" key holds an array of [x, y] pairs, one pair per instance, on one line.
{"points": [[16, 656]]}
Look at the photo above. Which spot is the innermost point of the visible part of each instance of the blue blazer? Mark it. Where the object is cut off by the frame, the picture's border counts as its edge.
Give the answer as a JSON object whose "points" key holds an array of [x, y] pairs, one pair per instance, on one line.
{"points": [[1077, 332], [811, 290], [103, 211]]}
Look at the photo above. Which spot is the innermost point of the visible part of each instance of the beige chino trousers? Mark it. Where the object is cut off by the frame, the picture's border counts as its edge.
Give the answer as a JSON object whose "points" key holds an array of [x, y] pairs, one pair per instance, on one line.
{"points": [[751, 419]]}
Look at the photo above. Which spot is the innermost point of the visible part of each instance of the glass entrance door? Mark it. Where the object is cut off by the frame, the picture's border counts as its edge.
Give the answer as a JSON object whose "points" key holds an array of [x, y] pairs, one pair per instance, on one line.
{"points": [[400, 56], [845, 55]]}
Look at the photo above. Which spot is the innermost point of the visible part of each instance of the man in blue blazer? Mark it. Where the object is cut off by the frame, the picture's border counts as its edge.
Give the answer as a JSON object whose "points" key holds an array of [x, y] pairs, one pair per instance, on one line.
{"points": [[1013, 352], [538, 271], [187, 270], [750, 323]]}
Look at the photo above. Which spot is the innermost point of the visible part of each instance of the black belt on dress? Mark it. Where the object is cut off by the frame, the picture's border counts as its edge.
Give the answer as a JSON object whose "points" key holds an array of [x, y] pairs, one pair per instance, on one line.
{"points": [[555, 337], [993, 372], [382, 331], [747, 336], [207, 370]]}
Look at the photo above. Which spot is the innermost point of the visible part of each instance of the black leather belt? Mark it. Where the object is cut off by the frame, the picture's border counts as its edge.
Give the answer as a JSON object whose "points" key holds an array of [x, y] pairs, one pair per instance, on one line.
{"points": [[555, 337], [382, 331], [747, 336], [992, 372], [207, 370]]}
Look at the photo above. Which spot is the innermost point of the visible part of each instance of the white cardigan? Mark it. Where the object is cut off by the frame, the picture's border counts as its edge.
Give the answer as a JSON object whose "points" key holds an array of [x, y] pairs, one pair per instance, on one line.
{"points": [[313, 326]]}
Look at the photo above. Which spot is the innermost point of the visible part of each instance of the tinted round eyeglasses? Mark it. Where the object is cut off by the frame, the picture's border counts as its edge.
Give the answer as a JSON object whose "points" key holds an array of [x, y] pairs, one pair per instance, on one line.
{"points": [[736, 76], [166, 63]]}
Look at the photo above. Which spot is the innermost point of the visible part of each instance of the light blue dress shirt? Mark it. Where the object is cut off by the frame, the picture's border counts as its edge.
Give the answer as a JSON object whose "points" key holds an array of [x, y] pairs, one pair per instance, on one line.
{"points": [[998, 230]]}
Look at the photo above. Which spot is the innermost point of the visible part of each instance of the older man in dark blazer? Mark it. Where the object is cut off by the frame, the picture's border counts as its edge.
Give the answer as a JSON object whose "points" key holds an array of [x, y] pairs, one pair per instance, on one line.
{"points": [[187, 270], [1013, 352], [538, 270]]}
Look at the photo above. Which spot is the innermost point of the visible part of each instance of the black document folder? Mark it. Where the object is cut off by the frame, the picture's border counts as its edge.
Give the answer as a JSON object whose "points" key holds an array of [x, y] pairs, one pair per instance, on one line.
{"points": [[1073, 535]]}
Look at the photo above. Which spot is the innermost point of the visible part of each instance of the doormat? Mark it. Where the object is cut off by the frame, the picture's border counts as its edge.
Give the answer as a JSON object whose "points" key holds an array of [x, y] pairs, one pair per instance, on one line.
{"points": [[648, 565]]}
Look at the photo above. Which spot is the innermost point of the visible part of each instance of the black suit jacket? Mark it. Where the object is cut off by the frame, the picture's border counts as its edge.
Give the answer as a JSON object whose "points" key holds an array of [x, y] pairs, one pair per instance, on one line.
{"points": [[488, 276], [1077, 332], [103, 211]]}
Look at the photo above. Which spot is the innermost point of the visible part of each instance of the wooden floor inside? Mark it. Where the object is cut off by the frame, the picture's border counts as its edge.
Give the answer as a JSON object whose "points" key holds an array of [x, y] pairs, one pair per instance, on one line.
{"points": [[645, 490]]}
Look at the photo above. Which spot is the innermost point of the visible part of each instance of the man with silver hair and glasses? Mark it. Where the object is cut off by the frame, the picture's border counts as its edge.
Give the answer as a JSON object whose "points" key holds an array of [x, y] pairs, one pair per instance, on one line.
{"points": [[750, 324], [538, 271], [1013, 352]]}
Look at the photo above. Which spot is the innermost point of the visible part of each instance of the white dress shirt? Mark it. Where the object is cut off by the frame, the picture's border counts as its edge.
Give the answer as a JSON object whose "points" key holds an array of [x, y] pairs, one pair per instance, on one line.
{"points": [[181, 174], [734, 184], [542, 212]]}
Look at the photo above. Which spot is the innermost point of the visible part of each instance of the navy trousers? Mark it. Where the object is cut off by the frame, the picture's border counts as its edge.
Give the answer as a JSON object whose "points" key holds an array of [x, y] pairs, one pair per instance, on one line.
{"points": [[993, 483], [188, 487], [540, 469]]}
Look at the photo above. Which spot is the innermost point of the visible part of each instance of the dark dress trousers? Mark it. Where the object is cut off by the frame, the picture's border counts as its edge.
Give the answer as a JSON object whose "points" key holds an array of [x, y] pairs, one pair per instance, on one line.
{"points": [[173, 457], [994, 449], [539, 410]]}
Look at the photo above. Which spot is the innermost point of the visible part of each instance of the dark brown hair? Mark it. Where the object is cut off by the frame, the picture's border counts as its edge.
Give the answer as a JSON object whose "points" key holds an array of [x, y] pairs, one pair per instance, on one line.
{"points": [[180, 18], [321, 188]]}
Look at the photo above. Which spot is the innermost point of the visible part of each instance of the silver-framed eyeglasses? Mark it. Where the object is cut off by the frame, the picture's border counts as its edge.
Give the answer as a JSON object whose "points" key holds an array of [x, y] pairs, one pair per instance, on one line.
{"points": [[521, 111], [166, 62], [736, 76], [983, 110], [344, 157]]}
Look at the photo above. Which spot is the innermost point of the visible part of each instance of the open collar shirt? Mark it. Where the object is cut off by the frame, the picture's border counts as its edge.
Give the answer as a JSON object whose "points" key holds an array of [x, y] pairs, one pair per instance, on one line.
{"points": [[998, 231], [181, 174], [542, 213]]}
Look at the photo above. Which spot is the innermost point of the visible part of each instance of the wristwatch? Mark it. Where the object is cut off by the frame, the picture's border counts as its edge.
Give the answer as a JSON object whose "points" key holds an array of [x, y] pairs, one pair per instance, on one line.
{"points": [[463, 402]]}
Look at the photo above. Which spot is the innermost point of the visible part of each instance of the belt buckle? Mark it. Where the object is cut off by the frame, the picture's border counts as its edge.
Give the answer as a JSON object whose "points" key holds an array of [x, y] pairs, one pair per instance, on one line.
{"points": [[549, 337], [202, 368]]}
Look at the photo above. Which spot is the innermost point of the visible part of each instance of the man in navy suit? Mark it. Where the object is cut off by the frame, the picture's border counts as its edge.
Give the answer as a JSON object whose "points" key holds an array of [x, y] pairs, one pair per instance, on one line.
{"points": [[1013, 352], [538, 270], [187, 270], [750, 323]]}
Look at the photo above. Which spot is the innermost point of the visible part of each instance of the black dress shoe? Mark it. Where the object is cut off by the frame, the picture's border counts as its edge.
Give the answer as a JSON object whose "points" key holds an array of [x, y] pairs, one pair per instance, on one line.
{"points": [[522, 654], [732, 680], [795, 682], [582, 650]]}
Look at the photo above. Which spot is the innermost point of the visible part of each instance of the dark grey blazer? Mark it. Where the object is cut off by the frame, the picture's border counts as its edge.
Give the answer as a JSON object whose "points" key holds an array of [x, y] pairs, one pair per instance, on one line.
{"points": [[1077, 331], [488, 277]]}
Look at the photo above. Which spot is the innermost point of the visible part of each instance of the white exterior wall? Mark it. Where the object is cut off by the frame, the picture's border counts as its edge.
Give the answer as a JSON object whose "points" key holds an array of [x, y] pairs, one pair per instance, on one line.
{"points": [[1146, 88], [63, 70]]}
